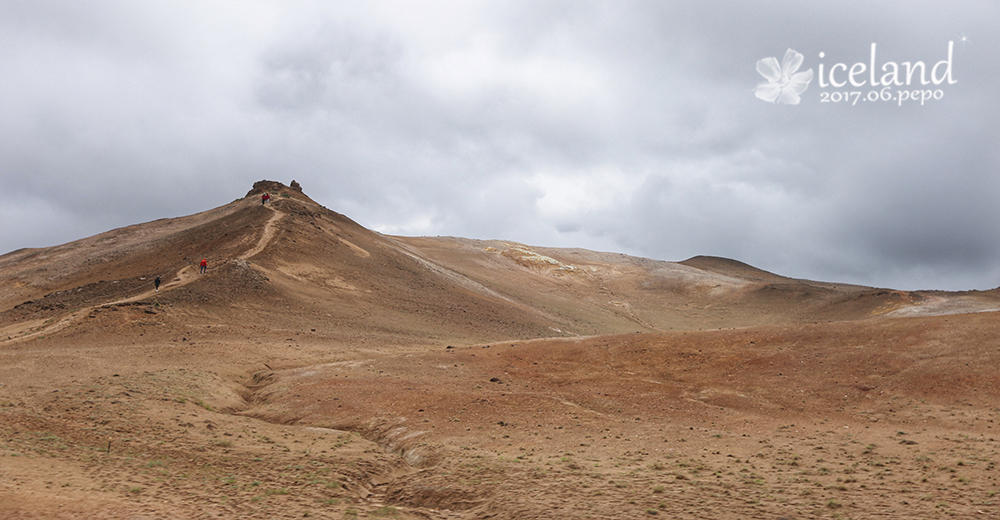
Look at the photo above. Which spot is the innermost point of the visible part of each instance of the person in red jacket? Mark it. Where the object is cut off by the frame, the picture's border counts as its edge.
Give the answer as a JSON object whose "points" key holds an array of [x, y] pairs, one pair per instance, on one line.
{"points": [[264, 198], [204, 265]]}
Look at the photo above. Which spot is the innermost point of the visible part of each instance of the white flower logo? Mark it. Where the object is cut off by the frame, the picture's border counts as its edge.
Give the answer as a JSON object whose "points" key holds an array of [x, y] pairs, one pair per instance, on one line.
{"points": [[783, 84]]}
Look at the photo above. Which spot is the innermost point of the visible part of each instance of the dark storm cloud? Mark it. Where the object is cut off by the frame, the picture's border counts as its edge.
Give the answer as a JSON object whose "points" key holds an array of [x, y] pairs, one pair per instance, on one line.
{"points": [[608, 125]]}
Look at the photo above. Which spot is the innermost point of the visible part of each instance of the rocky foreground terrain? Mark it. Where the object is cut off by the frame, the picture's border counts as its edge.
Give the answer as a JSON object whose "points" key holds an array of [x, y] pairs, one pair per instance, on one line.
{"points": [[319, 369]]}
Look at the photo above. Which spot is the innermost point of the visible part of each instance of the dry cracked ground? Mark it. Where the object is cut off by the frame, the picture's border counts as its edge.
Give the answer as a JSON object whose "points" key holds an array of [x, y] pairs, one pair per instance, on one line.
{"points": [[320, 370]]}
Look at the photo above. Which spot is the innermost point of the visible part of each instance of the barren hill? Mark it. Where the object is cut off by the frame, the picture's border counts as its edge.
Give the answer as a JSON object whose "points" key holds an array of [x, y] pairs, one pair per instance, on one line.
{"points": [[321, 369], [315, 267]]}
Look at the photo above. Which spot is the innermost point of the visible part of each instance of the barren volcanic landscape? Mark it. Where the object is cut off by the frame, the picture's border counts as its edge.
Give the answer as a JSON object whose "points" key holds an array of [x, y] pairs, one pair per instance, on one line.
{"points": [[322, 370]]}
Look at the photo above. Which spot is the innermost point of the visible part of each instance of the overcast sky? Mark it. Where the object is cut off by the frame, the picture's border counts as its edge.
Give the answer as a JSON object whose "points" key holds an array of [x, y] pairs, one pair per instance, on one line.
{"points": [[617, 126]]}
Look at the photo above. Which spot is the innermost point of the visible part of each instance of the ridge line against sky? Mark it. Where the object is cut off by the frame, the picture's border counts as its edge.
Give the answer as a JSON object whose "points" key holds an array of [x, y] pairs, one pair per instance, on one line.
{"points": [[641, 127]]}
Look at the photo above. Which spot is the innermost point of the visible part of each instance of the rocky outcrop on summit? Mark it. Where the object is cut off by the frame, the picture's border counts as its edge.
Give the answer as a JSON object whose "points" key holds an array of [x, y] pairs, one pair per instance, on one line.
{"points": [[275, 188]]}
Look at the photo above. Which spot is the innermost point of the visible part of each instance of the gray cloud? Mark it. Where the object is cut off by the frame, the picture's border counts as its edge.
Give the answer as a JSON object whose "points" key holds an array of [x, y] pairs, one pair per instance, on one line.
{"points": [[616, 126]]}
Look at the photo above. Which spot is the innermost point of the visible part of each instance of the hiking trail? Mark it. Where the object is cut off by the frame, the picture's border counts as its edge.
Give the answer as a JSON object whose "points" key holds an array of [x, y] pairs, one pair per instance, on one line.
{"points": [[185, 275]]}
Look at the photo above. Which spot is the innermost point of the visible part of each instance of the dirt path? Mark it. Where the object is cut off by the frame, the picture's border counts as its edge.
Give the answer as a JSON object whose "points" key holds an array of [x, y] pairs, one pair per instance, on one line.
{"points": [[184, 277], [265, 238]]}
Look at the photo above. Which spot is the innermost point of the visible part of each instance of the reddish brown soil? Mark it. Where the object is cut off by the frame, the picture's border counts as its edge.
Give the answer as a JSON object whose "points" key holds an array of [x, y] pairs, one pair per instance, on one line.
{"points": [[322, 370]]}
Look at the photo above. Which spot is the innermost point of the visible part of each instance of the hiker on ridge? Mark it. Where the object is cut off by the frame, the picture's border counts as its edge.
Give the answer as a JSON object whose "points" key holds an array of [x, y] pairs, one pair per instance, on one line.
{"points": [[204, 265], [264, 198], [156, 283]]}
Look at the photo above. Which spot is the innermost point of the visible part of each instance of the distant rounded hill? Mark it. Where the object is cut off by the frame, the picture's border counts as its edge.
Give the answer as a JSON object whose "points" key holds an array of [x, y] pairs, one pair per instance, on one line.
{"points": [[728, 267]]}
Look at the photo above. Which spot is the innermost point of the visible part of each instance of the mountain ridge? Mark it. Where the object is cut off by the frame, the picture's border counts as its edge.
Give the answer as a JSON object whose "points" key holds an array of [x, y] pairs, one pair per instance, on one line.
{"points": [[294, 249]]}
